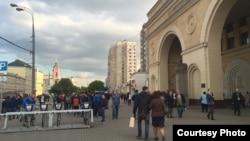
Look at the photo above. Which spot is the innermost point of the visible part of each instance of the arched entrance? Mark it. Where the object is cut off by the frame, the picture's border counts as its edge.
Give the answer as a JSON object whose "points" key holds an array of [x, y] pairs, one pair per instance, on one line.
{"points": [[173, 73], [236, 76], [194, 84], [228, 41]]}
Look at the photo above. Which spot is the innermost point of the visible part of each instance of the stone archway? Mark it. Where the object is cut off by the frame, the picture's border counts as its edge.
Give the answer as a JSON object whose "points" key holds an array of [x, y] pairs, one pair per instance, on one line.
{"points": [[194, 79], [225, 45], [236, 76], [173, 73]]}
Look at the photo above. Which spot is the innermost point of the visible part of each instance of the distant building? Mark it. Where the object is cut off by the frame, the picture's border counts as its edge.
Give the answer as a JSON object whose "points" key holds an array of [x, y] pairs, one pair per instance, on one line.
{"points": [[39, 82], [56, 73], [23, 70], [121, 65], [14, 83], [47, 83], [139, 79]]}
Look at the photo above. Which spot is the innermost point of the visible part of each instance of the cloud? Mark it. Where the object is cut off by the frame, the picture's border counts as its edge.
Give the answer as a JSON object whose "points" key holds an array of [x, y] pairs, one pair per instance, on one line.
{"points": [[78, 33]]}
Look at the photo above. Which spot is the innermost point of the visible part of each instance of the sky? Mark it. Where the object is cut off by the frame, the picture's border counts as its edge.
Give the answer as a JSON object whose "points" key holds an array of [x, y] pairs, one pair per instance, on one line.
{"points": [[76, 33]]}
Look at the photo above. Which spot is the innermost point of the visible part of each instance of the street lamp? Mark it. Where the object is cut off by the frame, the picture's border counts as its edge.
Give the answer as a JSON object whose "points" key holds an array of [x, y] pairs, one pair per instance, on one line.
{"points": [[21, 8]]}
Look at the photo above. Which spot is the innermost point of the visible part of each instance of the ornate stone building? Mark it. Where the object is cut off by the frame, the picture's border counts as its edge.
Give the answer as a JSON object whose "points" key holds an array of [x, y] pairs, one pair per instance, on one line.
{"points": [[199, 44]]}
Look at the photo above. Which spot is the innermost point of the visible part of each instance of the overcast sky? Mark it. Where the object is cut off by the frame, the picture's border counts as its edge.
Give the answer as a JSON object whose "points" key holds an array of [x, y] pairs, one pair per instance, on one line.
{"points": [[77, 32]]}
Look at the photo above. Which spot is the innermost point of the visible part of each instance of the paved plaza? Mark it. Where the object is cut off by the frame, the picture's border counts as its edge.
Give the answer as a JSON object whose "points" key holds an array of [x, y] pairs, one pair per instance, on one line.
{"points": [[119, 130]]}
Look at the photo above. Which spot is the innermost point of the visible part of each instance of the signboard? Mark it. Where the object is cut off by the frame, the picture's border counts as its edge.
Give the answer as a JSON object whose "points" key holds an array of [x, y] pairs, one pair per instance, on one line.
{"points": [[3, 76], [3, 65], [3, 70]]}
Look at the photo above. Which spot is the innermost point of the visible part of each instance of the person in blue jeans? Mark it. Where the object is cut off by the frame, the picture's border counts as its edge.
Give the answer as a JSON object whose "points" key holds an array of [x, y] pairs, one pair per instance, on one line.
{"points": [[180, 103], [115, 104], [142, 102]]}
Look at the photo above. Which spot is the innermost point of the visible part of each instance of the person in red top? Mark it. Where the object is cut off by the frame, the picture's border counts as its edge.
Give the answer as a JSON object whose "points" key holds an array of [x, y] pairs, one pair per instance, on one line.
{"points": [[76, 102]]}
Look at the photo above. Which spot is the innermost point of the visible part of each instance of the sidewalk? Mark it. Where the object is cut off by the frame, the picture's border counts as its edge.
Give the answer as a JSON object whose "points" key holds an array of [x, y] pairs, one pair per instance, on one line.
{"points": [[119, 130]]}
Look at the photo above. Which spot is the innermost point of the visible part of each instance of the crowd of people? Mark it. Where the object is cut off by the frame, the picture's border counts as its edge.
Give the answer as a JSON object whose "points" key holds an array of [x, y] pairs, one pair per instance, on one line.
{"points": [[155, 106]]}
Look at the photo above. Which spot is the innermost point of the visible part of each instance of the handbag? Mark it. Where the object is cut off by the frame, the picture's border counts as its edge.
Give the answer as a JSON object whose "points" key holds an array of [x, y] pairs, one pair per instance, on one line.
{"points": [[132, 122], [141, 115]]}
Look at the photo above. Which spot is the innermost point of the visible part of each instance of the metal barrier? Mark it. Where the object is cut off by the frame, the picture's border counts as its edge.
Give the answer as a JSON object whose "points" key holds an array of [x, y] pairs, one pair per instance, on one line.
{"points": [[51, 113]]}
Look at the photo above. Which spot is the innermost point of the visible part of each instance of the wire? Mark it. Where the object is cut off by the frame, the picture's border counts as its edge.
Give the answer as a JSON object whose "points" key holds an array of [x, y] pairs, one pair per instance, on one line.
{"points": [[16, 45]]}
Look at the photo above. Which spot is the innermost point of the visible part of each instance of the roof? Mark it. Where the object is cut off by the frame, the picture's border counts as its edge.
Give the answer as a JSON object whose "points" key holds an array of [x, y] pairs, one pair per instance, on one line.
{"points": [[19, 63]]}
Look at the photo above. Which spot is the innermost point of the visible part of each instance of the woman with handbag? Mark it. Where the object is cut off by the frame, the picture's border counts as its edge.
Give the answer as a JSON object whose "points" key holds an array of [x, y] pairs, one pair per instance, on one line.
{"points": [[158, 114]]}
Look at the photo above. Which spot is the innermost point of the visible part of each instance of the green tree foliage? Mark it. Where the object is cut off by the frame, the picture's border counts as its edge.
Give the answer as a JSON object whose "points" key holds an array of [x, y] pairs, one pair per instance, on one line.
{"points": [[96, 85], [67, 85], [56, 89]]}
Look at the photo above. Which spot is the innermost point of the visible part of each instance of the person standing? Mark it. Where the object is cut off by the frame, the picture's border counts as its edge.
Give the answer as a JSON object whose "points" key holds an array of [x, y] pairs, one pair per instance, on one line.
{"points": [[142, 102], [210, 102], [129, 98], [237, 99], [28, 100], [170, 103], [96, 104], [158, 112], [76, 103], [115, 104], [180, 103], [203, 100], [103, 106], [247, 100]]}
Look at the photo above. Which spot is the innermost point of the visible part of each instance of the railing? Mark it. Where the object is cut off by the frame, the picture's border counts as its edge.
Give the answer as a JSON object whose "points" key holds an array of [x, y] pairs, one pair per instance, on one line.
{"points": [[50, 113]]}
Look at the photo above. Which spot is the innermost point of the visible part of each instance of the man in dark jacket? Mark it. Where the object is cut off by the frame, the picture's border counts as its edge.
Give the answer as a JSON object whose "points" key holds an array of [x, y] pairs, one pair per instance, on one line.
{"points": [[170, 103], [142, 102], [237, 99]]}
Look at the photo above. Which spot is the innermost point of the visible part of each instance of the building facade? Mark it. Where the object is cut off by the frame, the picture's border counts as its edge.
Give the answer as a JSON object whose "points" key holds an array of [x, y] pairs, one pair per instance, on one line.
{"points": [[14, 83], [47, 83], [144, 50], [121, 65], [195, 45], [23, 70], [39, 82], [139, 79]]}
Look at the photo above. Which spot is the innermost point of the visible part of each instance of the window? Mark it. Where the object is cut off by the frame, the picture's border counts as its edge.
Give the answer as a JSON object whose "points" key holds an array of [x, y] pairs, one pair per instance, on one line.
{"points": [[229, 28], [244, 38], [230, 43], [243, 21]]}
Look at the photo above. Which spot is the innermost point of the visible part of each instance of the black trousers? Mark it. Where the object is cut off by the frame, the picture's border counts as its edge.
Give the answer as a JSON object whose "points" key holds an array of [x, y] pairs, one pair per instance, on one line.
{"points": [[204, 108]]}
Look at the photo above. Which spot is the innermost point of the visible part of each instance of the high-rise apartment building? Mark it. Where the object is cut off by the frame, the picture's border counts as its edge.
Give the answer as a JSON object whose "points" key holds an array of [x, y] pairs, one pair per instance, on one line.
{"points": [[121, 65]]}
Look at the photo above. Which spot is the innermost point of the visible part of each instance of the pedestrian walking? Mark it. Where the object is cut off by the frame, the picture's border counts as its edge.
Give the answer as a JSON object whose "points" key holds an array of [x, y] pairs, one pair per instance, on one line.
{"points": [[141, 105], [210, 102], [180, 103], [158, 112], [203, 100], [115, 104]]}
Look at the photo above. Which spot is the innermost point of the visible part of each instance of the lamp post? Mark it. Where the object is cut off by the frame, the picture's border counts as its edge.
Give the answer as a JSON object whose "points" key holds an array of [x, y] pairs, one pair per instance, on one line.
{"points": [[21, 8]]}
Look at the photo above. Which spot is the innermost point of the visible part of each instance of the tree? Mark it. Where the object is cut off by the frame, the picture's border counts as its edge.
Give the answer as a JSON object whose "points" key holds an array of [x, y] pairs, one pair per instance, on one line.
{"points": [[57, 89], [96, 85], [67, 85]]}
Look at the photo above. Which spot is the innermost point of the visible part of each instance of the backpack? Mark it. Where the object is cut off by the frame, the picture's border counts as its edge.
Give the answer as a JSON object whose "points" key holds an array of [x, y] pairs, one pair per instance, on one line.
{"points": [[68, 99]]}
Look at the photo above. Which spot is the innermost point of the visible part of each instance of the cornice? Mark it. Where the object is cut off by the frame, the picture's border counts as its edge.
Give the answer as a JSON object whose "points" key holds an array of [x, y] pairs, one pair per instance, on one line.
{"points": [[154, 64], [178, 10], [197, 47]]}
